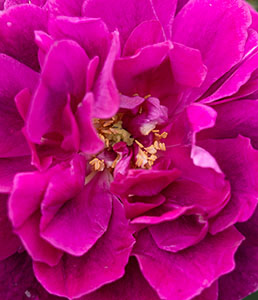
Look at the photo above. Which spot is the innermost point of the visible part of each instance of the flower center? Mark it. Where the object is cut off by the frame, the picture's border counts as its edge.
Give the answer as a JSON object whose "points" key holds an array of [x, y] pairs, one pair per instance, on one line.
{"points": [[129, 134]]}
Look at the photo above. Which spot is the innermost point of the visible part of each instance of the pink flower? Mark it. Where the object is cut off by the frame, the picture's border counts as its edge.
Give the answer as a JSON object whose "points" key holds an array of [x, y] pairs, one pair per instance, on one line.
{"points": [[128, 148]]}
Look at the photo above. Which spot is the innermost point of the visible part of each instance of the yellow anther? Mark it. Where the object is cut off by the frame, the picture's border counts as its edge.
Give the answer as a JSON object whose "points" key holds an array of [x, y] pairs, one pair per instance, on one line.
{"points": [[164, 135], [115, 161], [108, 123], [156, 145], [97, 164], [135, 95], [155, 130], [162, 146], [139, 144], [147, 96], [151, 149], [141, 159]]}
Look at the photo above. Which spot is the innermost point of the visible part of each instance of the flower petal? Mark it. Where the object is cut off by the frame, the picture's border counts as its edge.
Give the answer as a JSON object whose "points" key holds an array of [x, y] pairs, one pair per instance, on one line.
{"points": [[66, 62], [8, 240], [17, 33], [195, 27], [244, 279], [83, 218], [104, 263], [239, 161], [193, 268], [179, 234]]}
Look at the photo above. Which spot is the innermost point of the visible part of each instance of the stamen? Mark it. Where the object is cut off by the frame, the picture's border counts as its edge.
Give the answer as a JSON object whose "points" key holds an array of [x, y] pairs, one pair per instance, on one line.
{"points": [[97, 164], [147, 96], [139, 144]]}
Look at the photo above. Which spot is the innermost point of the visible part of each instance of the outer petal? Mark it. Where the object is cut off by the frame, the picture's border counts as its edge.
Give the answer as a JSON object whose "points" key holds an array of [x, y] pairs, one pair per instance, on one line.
{"points": [[218, 29], [145, 34], [65, 7], [83, 218], [90, 34], [25, 215], [187, 273], [210, 293], [104, 263], [14, 77], [66, 62], [17, 280], [17, 32], [131, 286], [239, 161], [9, 167], [8, 240], [179, 234], [244, 279], [234, 118], [238, 75], [9, 3], [125, 16], [187, 66]]}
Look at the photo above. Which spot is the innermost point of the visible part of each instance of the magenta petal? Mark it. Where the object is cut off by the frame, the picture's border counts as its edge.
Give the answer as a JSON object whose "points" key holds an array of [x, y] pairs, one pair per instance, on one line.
{"points": [[9, 3], [234, 118], [142, 182], [187, 66], [147, 58], [83, 219], [179, 234], [51, 96], [102, 264], [37, 247], [239, 161], [195, 27], [211, 293], [194, 267], [14, 77], [20, 210], [238, 75], [131, 286], [17, 22], [115, 15], [17, 280], [106, 94], [97, 40], [90, 143], [145, 34], [65, 7], [9, 167], [8, 240], [244, 279]]}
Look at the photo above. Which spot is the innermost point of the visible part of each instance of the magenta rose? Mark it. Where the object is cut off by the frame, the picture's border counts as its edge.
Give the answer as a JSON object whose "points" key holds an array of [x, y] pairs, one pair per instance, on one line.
{"points": [[128, 149]]}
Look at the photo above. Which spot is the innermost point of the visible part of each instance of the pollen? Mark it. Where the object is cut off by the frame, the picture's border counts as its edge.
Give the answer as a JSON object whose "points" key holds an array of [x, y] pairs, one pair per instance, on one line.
{"points": [[97, 164], [146, 157]]}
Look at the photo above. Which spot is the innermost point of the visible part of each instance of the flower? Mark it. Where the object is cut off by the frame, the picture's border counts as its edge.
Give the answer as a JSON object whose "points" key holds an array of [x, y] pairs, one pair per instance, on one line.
{"points": [[128, 149]]}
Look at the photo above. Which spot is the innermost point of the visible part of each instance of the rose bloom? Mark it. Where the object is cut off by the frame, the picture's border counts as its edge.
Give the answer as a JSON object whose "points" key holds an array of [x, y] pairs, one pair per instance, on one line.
{"points": [[128, 148]]}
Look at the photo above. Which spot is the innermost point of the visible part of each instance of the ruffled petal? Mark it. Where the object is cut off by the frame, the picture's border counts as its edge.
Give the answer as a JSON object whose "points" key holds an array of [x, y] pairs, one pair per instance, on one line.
{"points": [[104, 263], [186, 274], [238, 160], [195, 27], [17, 33]]}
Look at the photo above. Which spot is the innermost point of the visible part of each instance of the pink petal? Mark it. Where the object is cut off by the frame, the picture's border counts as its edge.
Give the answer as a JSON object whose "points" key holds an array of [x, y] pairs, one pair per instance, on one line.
{"points": [[194, 27], [83, 218], [21, 21], [104, 263], [185, 274]]}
